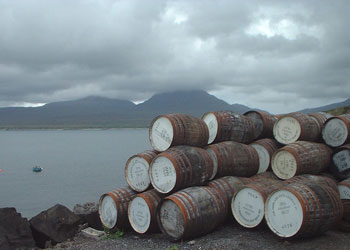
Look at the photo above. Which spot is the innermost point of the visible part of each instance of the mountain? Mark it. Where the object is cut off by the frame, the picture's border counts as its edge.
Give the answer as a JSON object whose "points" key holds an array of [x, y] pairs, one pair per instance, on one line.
{"points": [[104, 112], [345, 103]]}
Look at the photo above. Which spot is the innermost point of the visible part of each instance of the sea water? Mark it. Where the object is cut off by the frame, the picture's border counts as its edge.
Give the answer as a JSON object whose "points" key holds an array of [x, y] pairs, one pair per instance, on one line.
{"points": [[78, 165]]}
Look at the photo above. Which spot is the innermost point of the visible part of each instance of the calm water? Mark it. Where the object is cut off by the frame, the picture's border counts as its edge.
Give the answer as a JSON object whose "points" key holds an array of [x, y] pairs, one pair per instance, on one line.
{"points": [[79, 165]]}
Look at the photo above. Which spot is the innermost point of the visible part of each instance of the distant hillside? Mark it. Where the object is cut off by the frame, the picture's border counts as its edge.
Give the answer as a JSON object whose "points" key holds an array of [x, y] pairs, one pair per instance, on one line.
{"points": [[345, 103], [339, 111], [105, 112]]}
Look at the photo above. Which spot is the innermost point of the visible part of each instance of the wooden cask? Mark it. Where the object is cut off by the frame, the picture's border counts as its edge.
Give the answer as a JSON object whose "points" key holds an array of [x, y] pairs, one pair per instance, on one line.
{"points": [[234, 159], [320, 118], [263, 123], [191, 212], [177, 129], [300, 210], [113, 208], [336, 130], [296, 127], [340, 166], [227, 186], [136, 170], [265, 149], [248, 204], [180, 167], [229, 126], [344, 224], [142, 211], [300, 157], [309, 178]]}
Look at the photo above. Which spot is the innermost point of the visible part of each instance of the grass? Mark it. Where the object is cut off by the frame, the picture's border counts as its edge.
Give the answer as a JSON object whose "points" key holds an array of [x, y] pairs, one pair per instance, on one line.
{"points": [[112, 235]]}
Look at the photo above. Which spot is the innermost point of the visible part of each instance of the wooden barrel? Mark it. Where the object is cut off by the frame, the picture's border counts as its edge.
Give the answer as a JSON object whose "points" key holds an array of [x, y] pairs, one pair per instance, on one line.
{"points": [[177, 129], [191, 212], [265, 149], [248, 203], [227, 186], [136, 170], [113, 208], [181, 167], [263, 177], [300, 157], [320, 118], [340, 166], [300, 210], [344, 189], [296, 127], [344, 224], [142, 211], [263, 123], [229, 126], [309, 178], [234, 159], [336, 130]]}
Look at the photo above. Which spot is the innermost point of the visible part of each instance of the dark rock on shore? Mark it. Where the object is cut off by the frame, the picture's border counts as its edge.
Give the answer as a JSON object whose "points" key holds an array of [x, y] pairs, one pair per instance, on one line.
{"points": [[88, 212], [57, 224], [14, 230]]}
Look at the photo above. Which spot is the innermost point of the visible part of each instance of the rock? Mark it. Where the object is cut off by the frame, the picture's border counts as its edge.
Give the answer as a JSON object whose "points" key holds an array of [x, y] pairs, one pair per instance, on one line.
{"points": [[14, 230], [57, 224], [88, 212]]}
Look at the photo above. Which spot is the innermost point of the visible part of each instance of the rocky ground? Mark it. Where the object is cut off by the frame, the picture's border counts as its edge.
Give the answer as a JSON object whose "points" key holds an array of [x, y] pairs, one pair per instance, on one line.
{"points": [[230, 236]]}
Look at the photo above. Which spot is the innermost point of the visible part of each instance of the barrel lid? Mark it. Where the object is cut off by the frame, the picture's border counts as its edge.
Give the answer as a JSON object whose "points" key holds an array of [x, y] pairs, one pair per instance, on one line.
{"points": [[335, 132], [162, 174], [161, 134], [248, 207], [283, 213], [341, 160], [344, 192], [287, 130], [136, 173], [108, 211], [171, 219], [264, 157], [284, 164], [215, 162], [212, 123], [139, 215]]}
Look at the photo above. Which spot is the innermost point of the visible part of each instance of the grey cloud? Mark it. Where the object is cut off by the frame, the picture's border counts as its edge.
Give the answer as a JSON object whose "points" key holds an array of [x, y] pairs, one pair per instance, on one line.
{"points": [[60, 50]]}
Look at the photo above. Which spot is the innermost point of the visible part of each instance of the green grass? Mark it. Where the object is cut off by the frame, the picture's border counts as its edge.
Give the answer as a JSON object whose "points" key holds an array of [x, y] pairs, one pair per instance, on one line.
{"points": [[339, 111]]}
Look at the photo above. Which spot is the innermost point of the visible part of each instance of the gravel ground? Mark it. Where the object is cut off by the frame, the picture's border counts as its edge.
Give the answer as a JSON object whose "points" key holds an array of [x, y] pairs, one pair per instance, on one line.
{"points": [[226, 237]]}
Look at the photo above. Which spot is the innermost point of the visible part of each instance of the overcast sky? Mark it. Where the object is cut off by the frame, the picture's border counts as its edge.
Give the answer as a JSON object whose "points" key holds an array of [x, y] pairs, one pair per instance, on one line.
{"points": [[280, 56]]}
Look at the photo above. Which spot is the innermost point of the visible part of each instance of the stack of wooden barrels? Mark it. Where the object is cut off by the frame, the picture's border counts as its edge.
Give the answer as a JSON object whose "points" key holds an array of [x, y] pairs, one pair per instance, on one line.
{"points": [[253, 168]]}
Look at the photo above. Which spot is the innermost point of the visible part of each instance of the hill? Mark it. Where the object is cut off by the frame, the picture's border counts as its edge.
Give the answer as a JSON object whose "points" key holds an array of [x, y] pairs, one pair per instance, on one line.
{"points": [[100, 112], [345, 103]]}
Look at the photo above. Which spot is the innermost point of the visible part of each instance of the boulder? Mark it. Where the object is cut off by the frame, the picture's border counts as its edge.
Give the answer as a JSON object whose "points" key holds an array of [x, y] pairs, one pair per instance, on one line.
{"points": [[55, 225], [14, 230], [88, 212]]}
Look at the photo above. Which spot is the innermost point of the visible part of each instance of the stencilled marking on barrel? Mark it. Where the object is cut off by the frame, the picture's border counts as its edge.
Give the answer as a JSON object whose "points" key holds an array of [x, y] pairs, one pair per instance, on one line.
{"points": [[284, 165], [137, 171], [171, 219], [163, 174], [342, 160], [162, 134], [283, 213], [108, 212], [212, 123], [335, 132], [248, 207], [344, 192], [287, 130], [264, 157], [139, 215]]}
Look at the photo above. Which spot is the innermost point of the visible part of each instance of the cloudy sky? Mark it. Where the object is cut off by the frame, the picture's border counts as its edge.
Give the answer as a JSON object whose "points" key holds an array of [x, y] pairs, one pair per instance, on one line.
{"points": [[280, 56]]}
